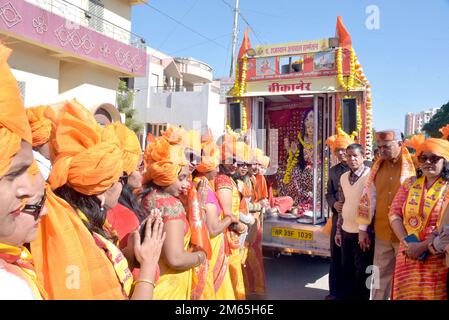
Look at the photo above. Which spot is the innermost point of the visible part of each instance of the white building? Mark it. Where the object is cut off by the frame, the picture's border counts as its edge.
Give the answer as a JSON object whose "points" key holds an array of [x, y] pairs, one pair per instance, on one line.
{"points": [[415, 122], [65, 49], [178, 91]]}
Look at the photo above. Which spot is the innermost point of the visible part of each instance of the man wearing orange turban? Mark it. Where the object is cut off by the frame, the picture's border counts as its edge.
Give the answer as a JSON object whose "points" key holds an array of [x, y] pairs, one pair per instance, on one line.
{"points": [[40, 129], [16, 183], [338, 144]]}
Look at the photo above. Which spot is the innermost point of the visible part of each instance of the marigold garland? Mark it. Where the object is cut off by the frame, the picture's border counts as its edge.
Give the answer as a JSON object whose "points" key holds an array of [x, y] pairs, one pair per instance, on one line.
{"points": [[291, 163], [352, 71]]}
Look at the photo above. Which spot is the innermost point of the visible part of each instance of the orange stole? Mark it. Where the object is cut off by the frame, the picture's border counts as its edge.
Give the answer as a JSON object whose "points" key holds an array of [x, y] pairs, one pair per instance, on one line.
{"points": [[68, 263], [260, 188], [202, 281]]}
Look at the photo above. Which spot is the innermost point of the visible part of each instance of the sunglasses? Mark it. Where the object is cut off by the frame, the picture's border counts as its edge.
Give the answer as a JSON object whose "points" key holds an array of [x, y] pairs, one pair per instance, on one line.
{"points": [[432, 159], [124, 179], [35, 209]]}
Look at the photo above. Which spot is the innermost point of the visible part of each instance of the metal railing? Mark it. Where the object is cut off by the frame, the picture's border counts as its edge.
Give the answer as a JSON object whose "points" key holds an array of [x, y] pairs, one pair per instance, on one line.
{"points": [[77, 16], [177, 88], [184, 62]]}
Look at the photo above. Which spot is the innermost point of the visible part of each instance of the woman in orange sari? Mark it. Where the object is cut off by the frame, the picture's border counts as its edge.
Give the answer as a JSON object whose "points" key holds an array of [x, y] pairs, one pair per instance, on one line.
{"points": [[216, 222], [74, 238], [165, 179], [229, 197], [415, 215]]}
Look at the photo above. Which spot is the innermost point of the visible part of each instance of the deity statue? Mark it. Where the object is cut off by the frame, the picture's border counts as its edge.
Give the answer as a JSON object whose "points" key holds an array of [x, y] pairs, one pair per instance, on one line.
{"points": [[300, 187]]}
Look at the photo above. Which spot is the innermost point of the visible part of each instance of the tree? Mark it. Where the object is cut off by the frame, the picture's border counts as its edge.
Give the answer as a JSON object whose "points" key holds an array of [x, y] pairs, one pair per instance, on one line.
{"points": [[440, 119], [125, 98]]}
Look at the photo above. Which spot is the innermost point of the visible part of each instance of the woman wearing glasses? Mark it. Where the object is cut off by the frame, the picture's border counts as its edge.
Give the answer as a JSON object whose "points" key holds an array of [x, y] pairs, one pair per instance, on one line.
{"points": [[16, 190], [17, 275], [415, 215], [76, 256]]}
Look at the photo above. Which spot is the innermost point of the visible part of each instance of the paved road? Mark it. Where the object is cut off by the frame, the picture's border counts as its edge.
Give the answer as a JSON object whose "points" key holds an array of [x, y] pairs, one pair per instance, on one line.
{"points": [[296, 277]]}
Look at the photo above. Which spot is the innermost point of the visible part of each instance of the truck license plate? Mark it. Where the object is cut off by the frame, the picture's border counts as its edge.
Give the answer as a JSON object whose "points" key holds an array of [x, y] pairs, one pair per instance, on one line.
{"points": [[292, 233]]}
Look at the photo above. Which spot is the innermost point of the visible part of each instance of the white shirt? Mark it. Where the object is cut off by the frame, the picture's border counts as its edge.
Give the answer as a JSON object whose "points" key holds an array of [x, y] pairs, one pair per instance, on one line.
{"points": [[14, 288], [43, 163]]}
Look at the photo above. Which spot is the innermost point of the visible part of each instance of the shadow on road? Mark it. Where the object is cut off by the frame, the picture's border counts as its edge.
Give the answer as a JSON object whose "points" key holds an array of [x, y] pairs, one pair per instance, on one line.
{"points": [[296, 277]]}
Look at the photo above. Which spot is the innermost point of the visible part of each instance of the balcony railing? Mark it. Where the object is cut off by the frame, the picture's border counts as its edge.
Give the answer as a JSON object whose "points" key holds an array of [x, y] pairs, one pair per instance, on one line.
{"points": [[87, 19], [184, 62]]}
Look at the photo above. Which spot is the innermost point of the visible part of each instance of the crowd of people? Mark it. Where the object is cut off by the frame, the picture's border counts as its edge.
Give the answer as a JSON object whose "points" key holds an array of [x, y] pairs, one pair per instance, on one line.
{"points": [[390, 224], [87, 214]]}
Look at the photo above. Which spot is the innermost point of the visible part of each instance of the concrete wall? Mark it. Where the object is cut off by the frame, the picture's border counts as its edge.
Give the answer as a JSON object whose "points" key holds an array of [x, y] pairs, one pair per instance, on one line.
{"points": [[40, 73], [193, 110], [90, 85]]}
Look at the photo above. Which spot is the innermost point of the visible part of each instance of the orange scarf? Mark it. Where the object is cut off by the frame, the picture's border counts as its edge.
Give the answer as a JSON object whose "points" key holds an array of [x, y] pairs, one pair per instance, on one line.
{"points": [[260, 188], [67, 260], [22, 258], [199, 234]]}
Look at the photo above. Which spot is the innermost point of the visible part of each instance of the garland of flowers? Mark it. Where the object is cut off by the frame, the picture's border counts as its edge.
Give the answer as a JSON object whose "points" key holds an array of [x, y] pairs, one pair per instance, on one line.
{"points": [[352, 71], [291, 163], [238, 90], [304, 144], [369, 109]]}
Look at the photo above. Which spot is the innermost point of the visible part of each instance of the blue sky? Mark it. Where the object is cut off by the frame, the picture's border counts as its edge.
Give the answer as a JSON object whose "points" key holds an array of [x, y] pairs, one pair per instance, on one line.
{"points": [[406, 59]]}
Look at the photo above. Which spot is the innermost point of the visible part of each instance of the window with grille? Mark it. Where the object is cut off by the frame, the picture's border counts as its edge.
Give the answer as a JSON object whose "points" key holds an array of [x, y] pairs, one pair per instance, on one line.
{"points": [[96, 10]]}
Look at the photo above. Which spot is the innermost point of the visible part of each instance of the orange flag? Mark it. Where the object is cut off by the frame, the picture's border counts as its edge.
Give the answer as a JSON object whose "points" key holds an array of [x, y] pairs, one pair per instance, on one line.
{"points": [[246, 44], [344, 38]]}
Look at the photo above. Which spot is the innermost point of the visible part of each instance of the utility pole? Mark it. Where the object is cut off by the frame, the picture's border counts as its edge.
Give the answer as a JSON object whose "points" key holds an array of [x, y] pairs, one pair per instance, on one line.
{"points": [[234, 37]]}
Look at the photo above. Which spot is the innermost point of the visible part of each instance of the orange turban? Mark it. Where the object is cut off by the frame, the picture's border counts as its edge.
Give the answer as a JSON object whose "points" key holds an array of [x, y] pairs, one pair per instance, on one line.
{"points": [[163, 162], [192, 140], [243, 152], [265, 161], [257, 156], [129, 144], [445, 132], [415, 141], [438, 147], [339, 141], [14, 126], [173, 135], [228, 147], [211, 155], [86, 158], [40, 125]]}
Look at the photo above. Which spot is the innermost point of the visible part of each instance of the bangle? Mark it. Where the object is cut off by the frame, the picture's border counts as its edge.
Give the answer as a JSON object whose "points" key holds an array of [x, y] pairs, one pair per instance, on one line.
{"points": [[145, 281]]}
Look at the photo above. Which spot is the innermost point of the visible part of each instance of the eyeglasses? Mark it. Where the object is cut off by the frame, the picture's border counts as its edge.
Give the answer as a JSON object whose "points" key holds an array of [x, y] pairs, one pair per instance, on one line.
{"points": [[432, 158], [242, 164], [124, 179], [35, 209]]}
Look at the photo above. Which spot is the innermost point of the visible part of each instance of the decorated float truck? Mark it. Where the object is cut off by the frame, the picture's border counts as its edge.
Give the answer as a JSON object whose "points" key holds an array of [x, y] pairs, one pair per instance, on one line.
{"points": [[287, 100]]}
